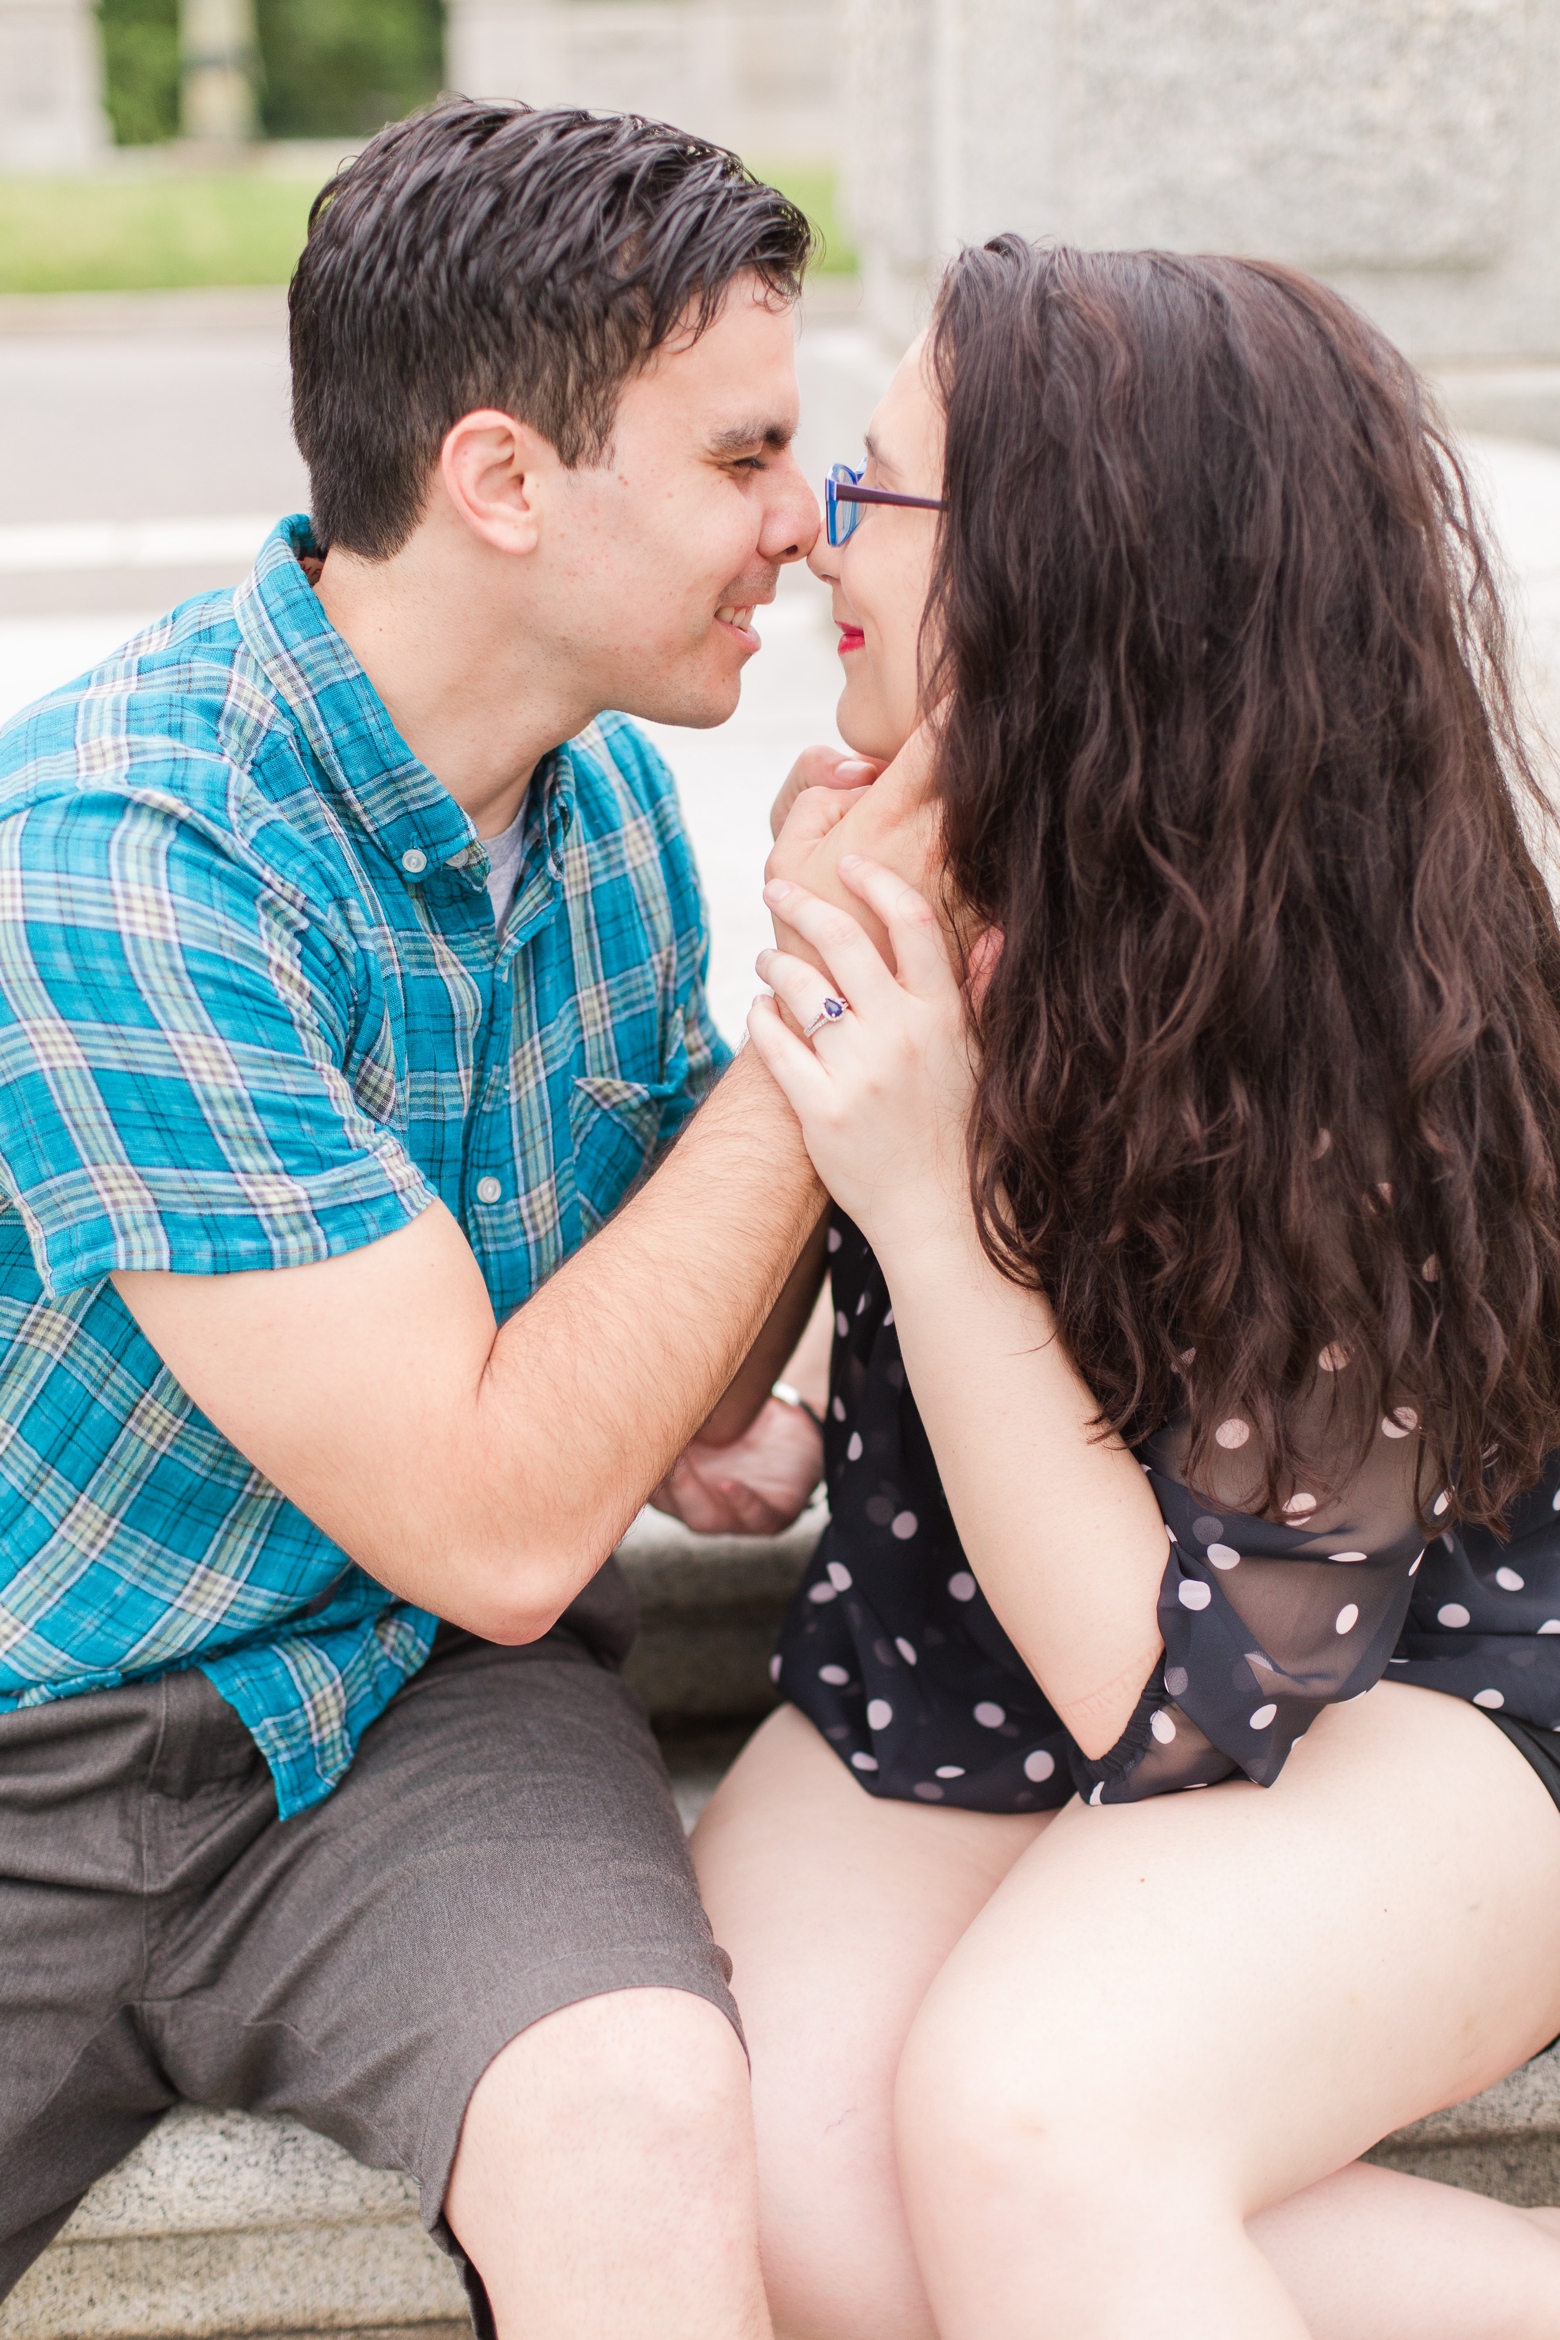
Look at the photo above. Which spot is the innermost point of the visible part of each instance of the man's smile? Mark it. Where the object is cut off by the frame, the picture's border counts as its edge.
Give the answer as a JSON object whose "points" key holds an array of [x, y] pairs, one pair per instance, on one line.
{"points": [[737, 618]]}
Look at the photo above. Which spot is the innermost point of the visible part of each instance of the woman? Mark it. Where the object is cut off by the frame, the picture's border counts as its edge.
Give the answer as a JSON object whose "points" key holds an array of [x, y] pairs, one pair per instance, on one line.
{"points": [[1197, 1284]]}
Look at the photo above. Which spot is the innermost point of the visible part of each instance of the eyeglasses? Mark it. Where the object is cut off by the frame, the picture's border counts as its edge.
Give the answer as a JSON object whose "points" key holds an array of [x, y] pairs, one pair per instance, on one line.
{"points": [[844, 495]]}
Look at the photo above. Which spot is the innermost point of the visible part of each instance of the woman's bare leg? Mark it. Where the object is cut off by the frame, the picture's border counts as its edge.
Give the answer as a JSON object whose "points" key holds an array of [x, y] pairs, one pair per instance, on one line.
{"points": [[1171, 2016], [837, 1909], [1371, 2254]]}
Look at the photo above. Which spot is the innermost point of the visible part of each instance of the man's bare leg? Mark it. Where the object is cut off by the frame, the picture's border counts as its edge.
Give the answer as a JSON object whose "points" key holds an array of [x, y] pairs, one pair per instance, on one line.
{"points": [[604, 2183]]}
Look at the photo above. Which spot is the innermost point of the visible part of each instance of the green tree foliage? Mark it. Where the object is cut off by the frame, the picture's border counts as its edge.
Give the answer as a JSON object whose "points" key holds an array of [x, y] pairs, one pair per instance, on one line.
{"points": [[343, 68], [141, 56], [330, 68]]}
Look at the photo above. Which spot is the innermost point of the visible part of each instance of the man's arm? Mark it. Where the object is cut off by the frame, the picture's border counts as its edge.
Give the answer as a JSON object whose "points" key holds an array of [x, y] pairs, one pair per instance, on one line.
{"points": [[744, 1397], [481, 1473]]}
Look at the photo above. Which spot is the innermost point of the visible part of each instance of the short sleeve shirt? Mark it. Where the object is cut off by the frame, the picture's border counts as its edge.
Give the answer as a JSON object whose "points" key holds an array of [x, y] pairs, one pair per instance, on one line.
{"points": [[255, 1012]]}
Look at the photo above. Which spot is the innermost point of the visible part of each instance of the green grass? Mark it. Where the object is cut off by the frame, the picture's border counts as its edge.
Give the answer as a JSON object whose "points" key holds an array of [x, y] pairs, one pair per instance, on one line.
{"points": [[114, 234], [813, 186], [129, 234]]}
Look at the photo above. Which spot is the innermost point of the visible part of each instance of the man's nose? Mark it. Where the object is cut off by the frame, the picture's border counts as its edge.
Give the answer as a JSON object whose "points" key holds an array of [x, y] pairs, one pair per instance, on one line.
{"points": [[793, 520]]}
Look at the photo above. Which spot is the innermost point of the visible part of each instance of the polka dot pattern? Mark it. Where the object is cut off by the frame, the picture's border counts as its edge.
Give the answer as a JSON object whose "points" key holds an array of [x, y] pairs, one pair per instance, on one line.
{"points": [[892, 1649]]}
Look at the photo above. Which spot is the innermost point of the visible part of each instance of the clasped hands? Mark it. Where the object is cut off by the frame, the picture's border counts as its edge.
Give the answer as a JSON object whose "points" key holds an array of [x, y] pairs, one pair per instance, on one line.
{"points": [[884, 1108]]}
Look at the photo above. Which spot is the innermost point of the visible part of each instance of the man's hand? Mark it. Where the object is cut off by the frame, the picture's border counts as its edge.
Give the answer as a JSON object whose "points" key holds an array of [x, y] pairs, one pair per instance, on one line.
{"points": [[896, 821], [755, 1486], [820, 767]]}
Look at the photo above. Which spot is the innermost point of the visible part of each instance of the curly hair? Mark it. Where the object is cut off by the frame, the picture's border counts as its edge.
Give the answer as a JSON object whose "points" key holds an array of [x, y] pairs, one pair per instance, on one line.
{"points": [[1271, 1056]]}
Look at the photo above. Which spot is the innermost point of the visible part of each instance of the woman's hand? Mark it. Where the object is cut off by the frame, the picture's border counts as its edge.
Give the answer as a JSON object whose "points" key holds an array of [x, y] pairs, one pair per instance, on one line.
{"points": [[884, 1099], [895, 821]]}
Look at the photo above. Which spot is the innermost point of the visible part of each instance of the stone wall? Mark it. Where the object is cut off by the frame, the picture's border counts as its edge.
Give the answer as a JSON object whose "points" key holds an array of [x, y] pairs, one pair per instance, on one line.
{"points": [[51, 85], [755, 74], [1405, 149]]}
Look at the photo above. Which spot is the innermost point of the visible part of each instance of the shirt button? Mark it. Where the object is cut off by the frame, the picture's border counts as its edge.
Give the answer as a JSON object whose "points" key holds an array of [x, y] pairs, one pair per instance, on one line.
{"points": [[414, 861], [488, 1190]]}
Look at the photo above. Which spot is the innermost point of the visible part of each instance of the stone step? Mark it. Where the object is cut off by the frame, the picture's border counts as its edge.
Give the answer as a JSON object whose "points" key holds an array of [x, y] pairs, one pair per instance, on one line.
{"points": [[220, 2223], [710, 1607]]}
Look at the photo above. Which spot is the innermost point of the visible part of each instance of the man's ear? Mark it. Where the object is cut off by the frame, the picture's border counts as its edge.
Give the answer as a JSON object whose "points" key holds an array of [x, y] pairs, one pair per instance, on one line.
{"points": [[496, 473]]}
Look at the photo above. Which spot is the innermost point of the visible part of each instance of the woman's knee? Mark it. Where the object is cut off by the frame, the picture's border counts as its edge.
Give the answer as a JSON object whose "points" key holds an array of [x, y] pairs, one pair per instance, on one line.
{"points": [[994, 2108], [838, 2261]]}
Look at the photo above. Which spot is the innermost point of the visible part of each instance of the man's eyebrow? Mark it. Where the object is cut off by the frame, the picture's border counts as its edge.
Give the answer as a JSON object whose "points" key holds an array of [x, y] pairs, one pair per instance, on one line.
{"points": [[738, 436]]}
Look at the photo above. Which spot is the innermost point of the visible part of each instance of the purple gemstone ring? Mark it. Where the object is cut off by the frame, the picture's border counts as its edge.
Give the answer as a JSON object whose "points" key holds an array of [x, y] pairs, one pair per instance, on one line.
{"points": [[830, 1013]]}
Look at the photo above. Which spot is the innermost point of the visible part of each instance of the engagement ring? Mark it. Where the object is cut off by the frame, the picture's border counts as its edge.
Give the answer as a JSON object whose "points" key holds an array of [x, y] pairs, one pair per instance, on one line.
{"points": [[830, 1013]]}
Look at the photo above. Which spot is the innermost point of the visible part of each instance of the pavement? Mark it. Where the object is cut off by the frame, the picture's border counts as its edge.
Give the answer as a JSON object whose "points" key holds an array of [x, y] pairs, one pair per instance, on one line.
{"points": [[148, 451]]}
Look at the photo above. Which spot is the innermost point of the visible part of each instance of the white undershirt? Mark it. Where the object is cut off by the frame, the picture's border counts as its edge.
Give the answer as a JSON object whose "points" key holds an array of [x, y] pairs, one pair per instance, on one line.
{"points": [[503, 854]]}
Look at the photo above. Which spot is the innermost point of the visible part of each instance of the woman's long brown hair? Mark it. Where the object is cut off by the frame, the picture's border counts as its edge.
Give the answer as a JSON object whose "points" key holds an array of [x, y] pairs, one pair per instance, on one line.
{"points": [[1271, 1055]]}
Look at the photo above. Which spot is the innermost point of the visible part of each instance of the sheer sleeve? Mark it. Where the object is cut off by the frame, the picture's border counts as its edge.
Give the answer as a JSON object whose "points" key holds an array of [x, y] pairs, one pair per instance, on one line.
{"points": [[1485, 1620], [1265, 1621]]}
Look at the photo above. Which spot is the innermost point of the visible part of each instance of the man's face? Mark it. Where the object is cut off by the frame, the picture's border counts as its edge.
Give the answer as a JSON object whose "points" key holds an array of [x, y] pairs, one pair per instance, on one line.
{"points": [[655, 560]]}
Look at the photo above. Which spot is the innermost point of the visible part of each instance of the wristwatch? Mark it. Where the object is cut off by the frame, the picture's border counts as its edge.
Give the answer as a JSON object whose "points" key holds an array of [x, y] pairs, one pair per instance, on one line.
{"points": [[793, 1397]]}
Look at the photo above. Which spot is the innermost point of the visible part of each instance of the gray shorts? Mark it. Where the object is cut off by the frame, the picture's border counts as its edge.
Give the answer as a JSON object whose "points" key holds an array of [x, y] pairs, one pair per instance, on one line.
{"points": [[504, 1845]]}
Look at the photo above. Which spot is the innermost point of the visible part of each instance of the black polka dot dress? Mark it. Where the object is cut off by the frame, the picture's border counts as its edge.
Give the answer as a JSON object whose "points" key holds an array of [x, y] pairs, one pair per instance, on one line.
{"points": [[891, 1649]]}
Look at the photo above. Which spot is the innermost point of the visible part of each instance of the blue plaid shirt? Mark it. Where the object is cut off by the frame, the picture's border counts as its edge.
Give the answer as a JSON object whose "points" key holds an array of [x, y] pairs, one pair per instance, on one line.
{"points": [[254, 1012]]}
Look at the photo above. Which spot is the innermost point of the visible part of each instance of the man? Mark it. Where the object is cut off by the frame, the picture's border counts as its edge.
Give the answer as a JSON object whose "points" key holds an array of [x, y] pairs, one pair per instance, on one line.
{"points": [[351, 979]]}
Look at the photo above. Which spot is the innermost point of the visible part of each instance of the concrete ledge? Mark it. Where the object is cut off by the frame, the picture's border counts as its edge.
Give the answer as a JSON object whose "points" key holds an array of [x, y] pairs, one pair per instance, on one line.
{"points": [[1514, 401], [1505, 2142], [710, 1607], [222, 2223]]}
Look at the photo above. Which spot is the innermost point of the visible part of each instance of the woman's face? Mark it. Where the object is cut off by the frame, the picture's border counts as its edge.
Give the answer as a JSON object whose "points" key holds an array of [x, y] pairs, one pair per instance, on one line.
{"points": [[881, 575]]}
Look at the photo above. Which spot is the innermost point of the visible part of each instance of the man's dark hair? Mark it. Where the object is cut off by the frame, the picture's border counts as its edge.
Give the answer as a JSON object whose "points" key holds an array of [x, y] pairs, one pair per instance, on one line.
{"points": [[505, 256]]}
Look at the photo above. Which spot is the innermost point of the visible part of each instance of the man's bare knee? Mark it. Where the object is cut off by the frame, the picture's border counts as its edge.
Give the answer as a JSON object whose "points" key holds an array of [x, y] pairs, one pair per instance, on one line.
{"points": [[651, 2069]]}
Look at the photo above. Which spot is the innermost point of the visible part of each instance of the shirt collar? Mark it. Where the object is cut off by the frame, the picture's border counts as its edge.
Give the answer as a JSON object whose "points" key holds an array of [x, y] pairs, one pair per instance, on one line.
{"points": [[385, 788]]}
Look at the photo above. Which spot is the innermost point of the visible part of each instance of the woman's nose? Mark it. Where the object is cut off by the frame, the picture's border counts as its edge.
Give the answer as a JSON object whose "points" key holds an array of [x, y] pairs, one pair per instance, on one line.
{"points": [[824, 560]]}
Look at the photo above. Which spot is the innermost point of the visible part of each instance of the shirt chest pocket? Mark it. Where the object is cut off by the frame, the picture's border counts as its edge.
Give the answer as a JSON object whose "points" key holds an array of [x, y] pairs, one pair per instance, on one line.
{"points": [[615, 1126]]}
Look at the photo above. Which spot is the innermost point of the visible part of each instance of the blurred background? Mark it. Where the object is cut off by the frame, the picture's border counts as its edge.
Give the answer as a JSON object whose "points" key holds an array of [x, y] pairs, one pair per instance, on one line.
{"points": [[158, 159]]}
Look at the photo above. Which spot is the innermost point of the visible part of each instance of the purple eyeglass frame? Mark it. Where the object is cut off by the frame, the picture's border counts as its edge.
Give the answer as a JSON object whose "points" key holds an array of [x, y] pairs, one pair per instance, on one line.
{"points": [[843, 486]]}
